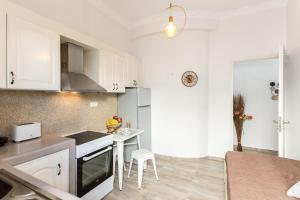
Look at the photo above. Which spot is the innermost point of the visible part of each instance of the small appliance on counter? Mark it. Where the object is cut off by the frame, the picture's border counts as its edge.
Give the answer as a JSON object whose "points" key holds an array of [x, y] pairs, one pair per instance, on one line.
{"points": [[22, 132]]}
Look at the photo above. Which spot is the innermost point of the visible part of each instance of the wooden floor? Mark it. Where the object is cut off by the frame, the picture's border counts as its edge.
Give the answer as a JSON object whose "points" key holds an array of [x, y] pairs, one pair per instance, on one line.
{"points": [[198, 179]]}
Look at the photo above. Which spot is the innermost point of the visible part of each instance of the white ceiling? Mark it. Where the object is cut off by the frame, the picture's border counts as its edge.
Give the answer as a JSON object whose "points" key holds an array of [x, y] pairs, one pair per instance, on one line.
{"points": [[134, 10]]}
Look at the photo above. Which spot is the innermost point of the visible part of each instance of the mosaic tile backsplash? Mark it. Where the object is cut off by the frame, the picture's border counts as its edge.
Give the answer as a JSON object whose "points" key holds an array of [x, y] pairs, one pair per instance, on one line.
{"points": [[59, 113]]}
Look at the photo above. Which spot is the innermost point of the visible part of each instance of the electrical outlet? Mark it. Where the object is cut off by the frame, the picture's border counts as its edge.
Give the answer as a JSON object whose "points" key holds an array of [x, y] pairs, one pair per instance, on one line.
{"points": [[93, 104]]}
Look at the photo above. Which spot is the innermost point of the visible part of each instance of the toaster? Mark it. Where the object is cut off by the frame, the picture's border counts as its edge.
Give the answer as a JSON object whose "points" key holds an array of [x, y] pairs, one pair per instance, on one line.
{"points": [[27, 131]]}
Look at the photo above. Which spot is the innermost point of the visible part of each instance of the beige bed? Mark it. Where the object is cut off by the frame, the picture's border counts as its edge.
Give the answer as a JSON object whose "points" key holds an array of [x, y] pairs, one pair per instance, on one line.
{"points": [[257, 176]]}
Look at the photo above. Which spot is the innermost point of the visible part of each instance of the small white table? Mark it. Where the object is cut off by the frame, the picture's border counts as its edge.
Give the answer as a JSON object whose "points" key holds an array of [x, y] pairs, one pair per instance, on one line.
{"points": [[120, 138]]}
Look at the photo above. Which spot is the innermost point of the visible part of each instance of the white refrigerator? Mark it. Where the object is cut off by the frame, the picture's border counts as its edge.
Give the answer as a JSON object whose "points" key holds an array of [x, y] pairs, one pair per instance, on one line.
{"points": [[134, 106]]}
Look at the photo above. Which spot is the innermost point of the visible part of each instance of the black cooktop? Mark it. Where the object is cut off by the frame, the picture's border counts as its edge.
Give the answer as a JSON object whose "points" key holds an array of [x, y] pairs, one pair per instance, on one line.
{"points": [[86, 136]]}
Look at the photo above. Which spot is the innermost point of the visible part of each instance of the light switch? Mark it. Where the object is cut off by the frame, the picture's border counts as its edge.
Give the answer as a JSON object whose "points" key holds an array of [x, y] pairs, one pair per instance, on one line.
{"points": [[93, 104]]}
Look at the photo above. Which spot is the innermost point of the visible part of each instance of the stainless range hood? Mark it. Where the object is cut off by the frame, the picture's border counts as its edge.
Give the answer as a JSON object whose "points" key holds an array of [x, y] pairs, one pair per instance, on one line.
{"points": [[73, 78]]}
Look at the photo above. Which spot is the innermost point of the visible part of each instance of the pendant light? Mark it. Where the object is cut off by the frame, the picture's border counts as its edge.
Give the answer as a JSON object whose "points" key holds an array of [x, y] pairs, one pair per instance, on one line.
{"points": [[171, 30]]}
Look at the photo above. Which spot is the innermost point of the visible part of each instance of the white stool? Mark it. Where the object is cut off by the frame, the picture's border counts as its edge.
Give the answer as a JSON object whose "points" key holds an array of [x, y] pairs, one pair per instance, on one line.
{"points": [[142, 156]]}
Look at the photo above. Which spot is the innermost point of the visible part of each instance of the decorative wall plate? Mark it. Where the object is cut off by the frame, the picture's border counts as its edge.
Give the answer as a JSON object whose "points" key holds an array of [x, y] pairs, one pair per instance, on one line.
{"points": [[189, 79]]}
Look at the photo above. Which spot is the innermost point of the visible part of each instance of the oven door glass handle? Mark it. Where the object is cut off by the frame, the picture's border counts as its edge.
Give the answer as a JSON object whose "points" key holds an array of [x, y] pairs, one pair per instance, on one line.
{"points": [[97, 154]]}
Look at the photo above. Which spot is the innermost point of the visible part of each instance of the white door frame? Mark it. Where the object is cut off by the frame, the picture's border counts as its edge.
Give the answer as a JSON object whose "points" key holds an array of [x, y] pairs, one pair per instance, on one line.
{"points": [[281, 123], [281, 138]]}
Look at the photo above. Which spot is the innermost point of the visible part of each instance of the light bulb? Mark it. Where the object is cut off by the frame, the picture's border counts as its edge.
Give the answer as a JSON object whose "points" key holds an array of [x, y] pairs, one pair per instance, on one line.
{"points": [[171, 28]]}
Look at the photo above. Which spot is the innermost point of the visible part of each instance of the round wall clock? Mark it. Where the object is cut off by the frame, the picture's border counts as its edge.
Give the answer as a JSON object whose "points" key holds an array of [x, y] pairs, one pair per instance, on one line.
{"points": [[189, 79]]}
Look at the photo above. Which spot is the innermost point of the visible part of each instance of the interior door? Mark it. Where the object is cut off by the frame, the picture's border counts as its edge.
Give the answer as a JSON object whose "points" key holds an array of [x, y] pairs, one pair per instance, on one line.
{"points": [[281, 123]]}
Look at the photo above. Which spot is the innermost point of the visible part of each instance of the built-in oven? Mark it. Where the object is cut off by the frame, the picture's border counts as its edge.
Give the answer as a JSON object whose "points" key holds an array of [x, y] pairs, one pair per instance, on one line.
{"points": [[93, 169]]}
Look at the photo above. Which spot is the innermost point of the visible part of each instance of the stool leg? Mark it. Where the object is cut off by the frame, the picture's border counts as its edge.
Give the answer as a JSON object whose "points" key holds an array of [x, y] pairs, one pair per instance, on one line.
{"points": [[154, 167], [140, 173], [114, 163], [131, 160], [145, 165]]}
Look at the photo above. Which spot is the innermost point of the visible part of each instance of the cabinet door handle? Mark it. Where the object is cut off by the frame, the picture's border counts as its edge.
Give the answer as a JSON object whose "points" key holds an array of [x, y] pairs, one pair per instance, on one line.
{"points": [[12, 78], [58, 169], [114, 86], [117, 86]]}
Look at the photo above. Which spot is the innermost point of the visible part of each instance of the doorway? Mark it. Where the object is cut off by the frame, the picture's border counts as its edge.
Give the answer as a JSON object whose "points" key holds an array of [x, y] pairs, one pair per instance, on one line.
{"points": [[257, 81]]}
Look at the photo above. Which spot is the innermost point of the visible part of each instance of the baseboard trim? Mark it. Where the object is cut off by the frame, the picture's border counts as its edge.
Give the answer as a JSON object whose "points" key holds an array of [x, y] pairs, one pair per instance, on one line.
{"points": [[215, 158], [252, 149], [165, 157]]}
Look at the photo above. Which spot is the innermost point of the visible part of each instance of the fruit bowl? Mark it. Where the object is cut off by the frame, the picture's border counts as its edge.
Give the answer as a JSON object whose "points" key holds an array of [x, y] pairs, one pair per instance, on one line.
{"points": [[113, 128], [113, 124]]}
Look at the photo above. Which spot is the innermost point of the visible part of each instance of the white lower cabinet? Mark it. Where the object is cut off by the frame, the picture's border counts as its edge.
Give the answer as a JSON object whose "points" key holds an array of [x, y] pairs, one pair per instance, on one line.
{"points": [[52, 169]]}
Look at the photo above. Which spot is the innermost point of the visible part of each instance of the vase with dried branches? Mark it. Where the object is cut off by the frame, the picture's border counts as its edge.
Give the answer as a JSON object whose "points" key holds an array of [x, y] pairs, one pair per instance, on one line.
{"points": [[239, 117]]}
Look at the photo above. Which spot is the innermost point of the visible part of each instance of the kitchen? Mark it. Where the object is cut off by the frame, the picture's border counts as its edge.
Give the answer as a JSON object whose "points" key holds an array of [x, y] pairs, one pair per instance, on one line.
{"points": [[112, 99], [56, 97]]}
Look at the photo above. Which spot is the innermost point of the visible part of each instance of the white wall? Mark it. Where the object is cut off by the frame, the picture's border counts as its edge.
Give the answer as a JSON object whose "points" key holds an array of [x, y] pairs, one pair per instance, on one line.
{"points": [[83, 17], [179, 114], [293, 83], [252, 80], [180, 125], [248, 36]]}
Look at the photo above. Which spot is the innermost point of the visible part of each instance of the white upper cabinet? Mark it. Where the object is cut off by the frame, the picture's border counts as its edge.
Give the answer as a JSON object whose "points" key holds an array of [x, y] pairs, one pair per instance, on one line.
{"points": [[2, 50], [52, 169], [131, 71], [33, 56], [119, 69], [107, 71], [111, 73]]}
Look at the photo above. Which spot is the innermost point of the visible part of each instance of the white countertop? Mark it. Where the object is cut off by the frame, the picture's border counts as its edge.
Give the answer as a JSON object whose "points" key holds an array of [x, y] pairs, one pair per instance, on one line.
{"points": [[124, 134], [14, 151]]}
